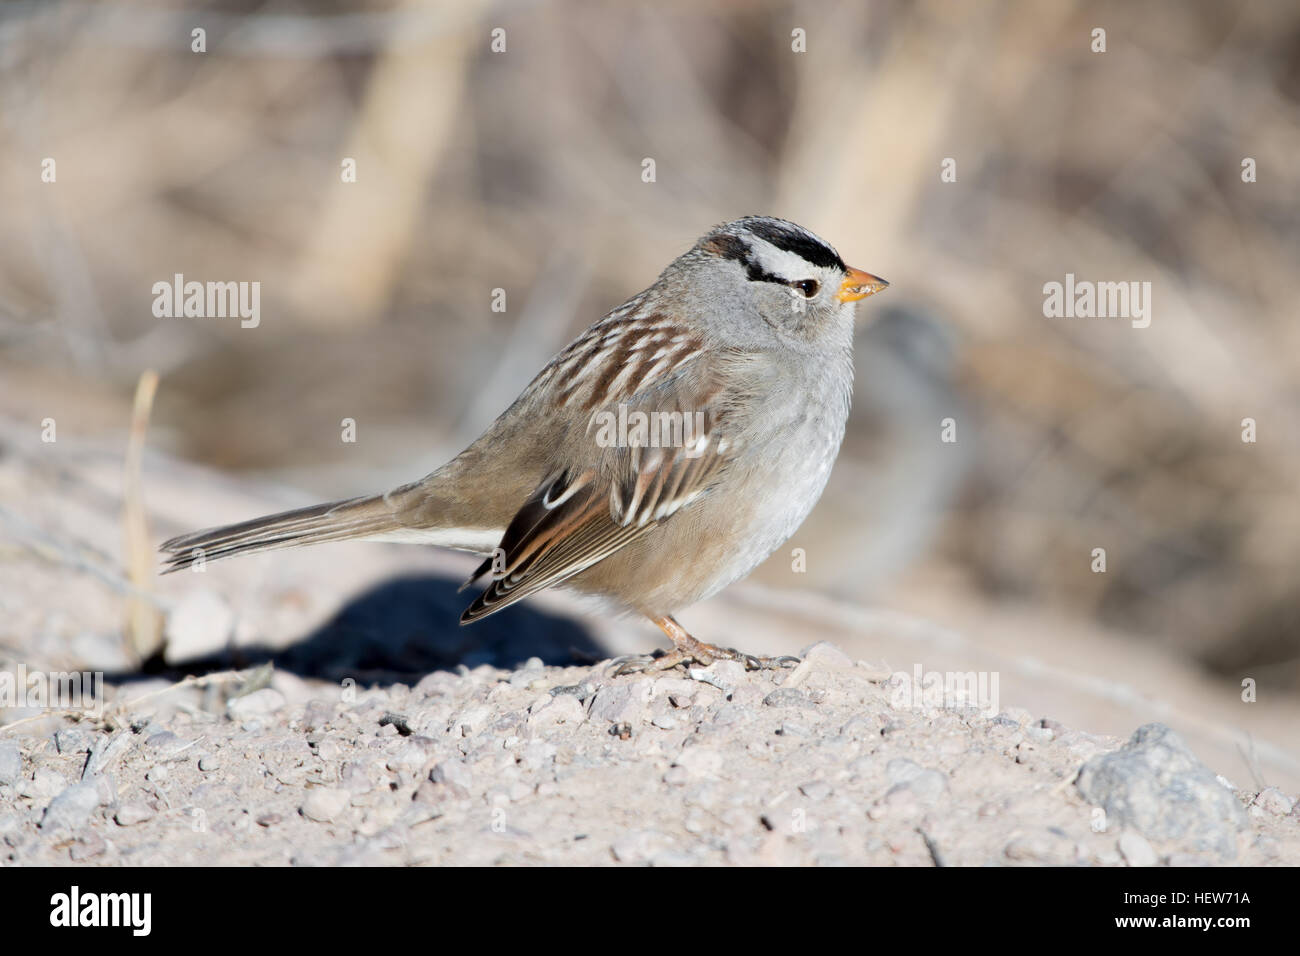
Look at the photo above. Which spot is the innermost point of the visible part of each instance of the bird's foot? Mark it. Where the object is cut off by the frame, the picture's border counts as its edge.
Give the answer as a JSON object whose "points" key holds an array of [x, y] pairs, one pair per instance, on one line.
{"points": [[687, 650]]}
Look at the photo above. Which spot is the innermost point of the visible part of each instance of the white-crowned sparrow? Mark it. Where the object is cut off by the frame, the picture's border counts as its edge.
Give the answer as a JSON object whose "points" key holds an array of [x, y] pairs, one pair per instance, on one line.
{"points": [[661, 456]]}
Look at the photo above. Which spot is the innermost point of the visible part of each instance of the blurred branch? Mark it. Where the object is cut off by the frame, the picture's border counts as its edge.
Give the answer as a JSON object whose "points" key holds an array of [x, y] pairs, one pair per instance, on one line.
{"points": [[349, 267]]}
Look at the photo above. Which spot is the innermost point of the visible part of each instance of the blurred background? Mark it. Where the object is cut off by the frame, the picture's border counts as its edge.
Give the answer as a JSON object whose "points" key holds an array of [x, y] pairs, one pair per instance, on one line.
{"points": [[522, 169]]}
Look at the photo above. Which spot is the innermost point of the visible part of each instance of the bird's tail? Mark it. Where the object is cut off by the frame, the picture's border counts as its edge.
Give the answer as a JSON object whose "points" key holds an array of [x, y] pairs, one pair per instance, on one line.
{"points": [[333, 521]]}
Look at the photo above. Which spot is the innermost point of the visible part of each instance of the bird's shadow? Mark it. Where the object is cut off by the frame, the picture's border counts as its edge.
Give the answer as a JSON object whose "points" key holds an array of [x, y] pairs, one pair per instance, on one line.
{"points": [[400, 630]]}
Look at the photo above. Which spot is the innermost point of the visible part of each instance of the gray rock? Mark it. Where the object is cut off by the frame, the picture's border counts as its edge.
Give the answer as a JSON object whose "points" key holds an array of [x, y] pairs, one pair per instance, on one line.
{"points": [[163, 740], [87, 847], [106, 787], [815, 789], [265, 701], [11, 764], [328, 749], [860, 727], [1273, 801], [622, 703], [582, 691], [1050, 847], [318, 715], [470, 722], [927, 785], [132, 813], [554, 711], [209, 762], [731, 672], [106, 751], [409, 757], [71, 808], [825, 654], [45, 782], [1157, 786], [680, 691], [1136, 849], [532, 670], [70, 740], [640, 846], [1269, 846], [787, 697], [11, 829], [724, 675], [700, 761], [727, 715], [356, 777], [537, 755], [324, 804], [455, 775], [1027, 753]]}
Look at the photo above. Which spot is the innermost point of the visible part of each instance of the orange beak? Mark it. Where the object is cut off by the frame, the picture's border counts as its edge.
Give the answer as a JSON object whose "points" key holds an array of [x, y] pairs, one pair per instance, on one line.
{"points": [[858, 285]]}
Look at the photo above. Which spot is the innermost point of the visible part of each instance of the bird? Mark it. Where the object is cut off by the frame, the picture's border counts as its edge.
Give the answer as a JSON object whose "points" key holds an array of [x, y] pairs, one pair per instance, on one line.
{"points": [[660, 456]]}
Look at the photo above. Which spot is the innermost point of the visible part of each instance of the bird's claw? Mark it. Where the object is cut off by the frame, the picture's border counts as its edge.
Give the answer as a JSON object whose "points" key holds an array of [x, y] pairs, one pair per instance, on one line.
{"points": [[701, 654], [755, 663]]}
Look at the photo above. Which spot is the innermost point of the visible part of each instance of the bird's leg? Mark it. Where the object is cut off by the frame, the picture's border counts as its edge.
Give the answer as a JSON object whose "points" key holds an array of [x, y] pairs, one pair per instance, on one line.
{"points": [[687, 650]]}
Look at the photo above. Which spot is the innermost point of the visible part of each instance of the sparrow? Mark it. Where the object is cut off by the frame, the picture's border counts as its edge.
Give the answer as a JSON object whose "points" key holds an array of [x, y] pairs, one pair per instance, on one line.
{"points": [[660, 456]]}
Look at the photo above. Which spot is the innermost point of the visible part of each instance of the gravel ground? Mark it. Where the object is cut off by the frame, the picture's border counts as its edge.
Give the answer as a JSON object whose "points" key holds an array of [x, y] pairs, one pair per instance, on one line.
{"points": [[365, 726], [823, 764]]}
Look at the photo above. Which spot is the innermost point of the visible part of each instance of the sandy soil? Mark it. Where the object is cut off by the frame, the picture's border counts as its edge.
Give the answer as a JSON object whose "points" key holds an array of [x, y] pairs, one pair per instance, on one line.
{"points": [[341, 716]]}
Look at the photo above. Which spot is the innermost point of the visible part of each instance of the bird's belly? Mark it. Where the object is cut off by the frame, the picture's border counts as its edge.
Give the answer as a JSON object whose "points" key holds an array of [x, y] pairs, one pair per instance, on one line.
{"points": [[724, 534], [790, 488]]}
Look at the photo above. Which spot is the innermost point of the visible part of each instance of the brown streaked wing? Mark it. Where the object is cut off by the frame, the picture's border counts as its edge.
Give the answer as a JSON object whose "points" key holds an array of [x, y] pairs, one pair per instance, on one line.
{"points": [[572, 522]]}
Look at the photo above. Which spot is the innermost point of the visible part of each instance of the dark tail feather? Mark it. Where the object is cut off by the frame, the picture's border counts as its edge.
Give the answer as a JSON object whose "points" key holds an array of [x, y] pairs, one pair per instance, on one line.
{"points": [[333, 521]]}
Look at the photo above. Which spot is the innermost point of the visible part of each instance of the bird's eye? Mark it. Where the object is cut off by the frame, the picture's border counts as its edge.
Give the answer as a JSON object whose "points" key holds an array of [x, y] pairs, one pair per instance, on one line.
{"points": [[808, 287]]}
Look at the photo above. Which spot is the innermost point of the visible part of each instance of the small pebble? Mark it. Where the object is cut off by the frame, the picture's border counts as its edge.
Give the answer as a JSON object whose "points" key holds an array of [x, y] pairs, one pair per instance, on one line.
{"points": [[1274, 801], [815, 790], [128, 815], [787, 697], [454, 775], [87, 847], [826, 654], [323, 804], [70, 740], [44, 783], [71, 808], [262, 702], [1135, 849], [554, 711], [11, 764]]}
